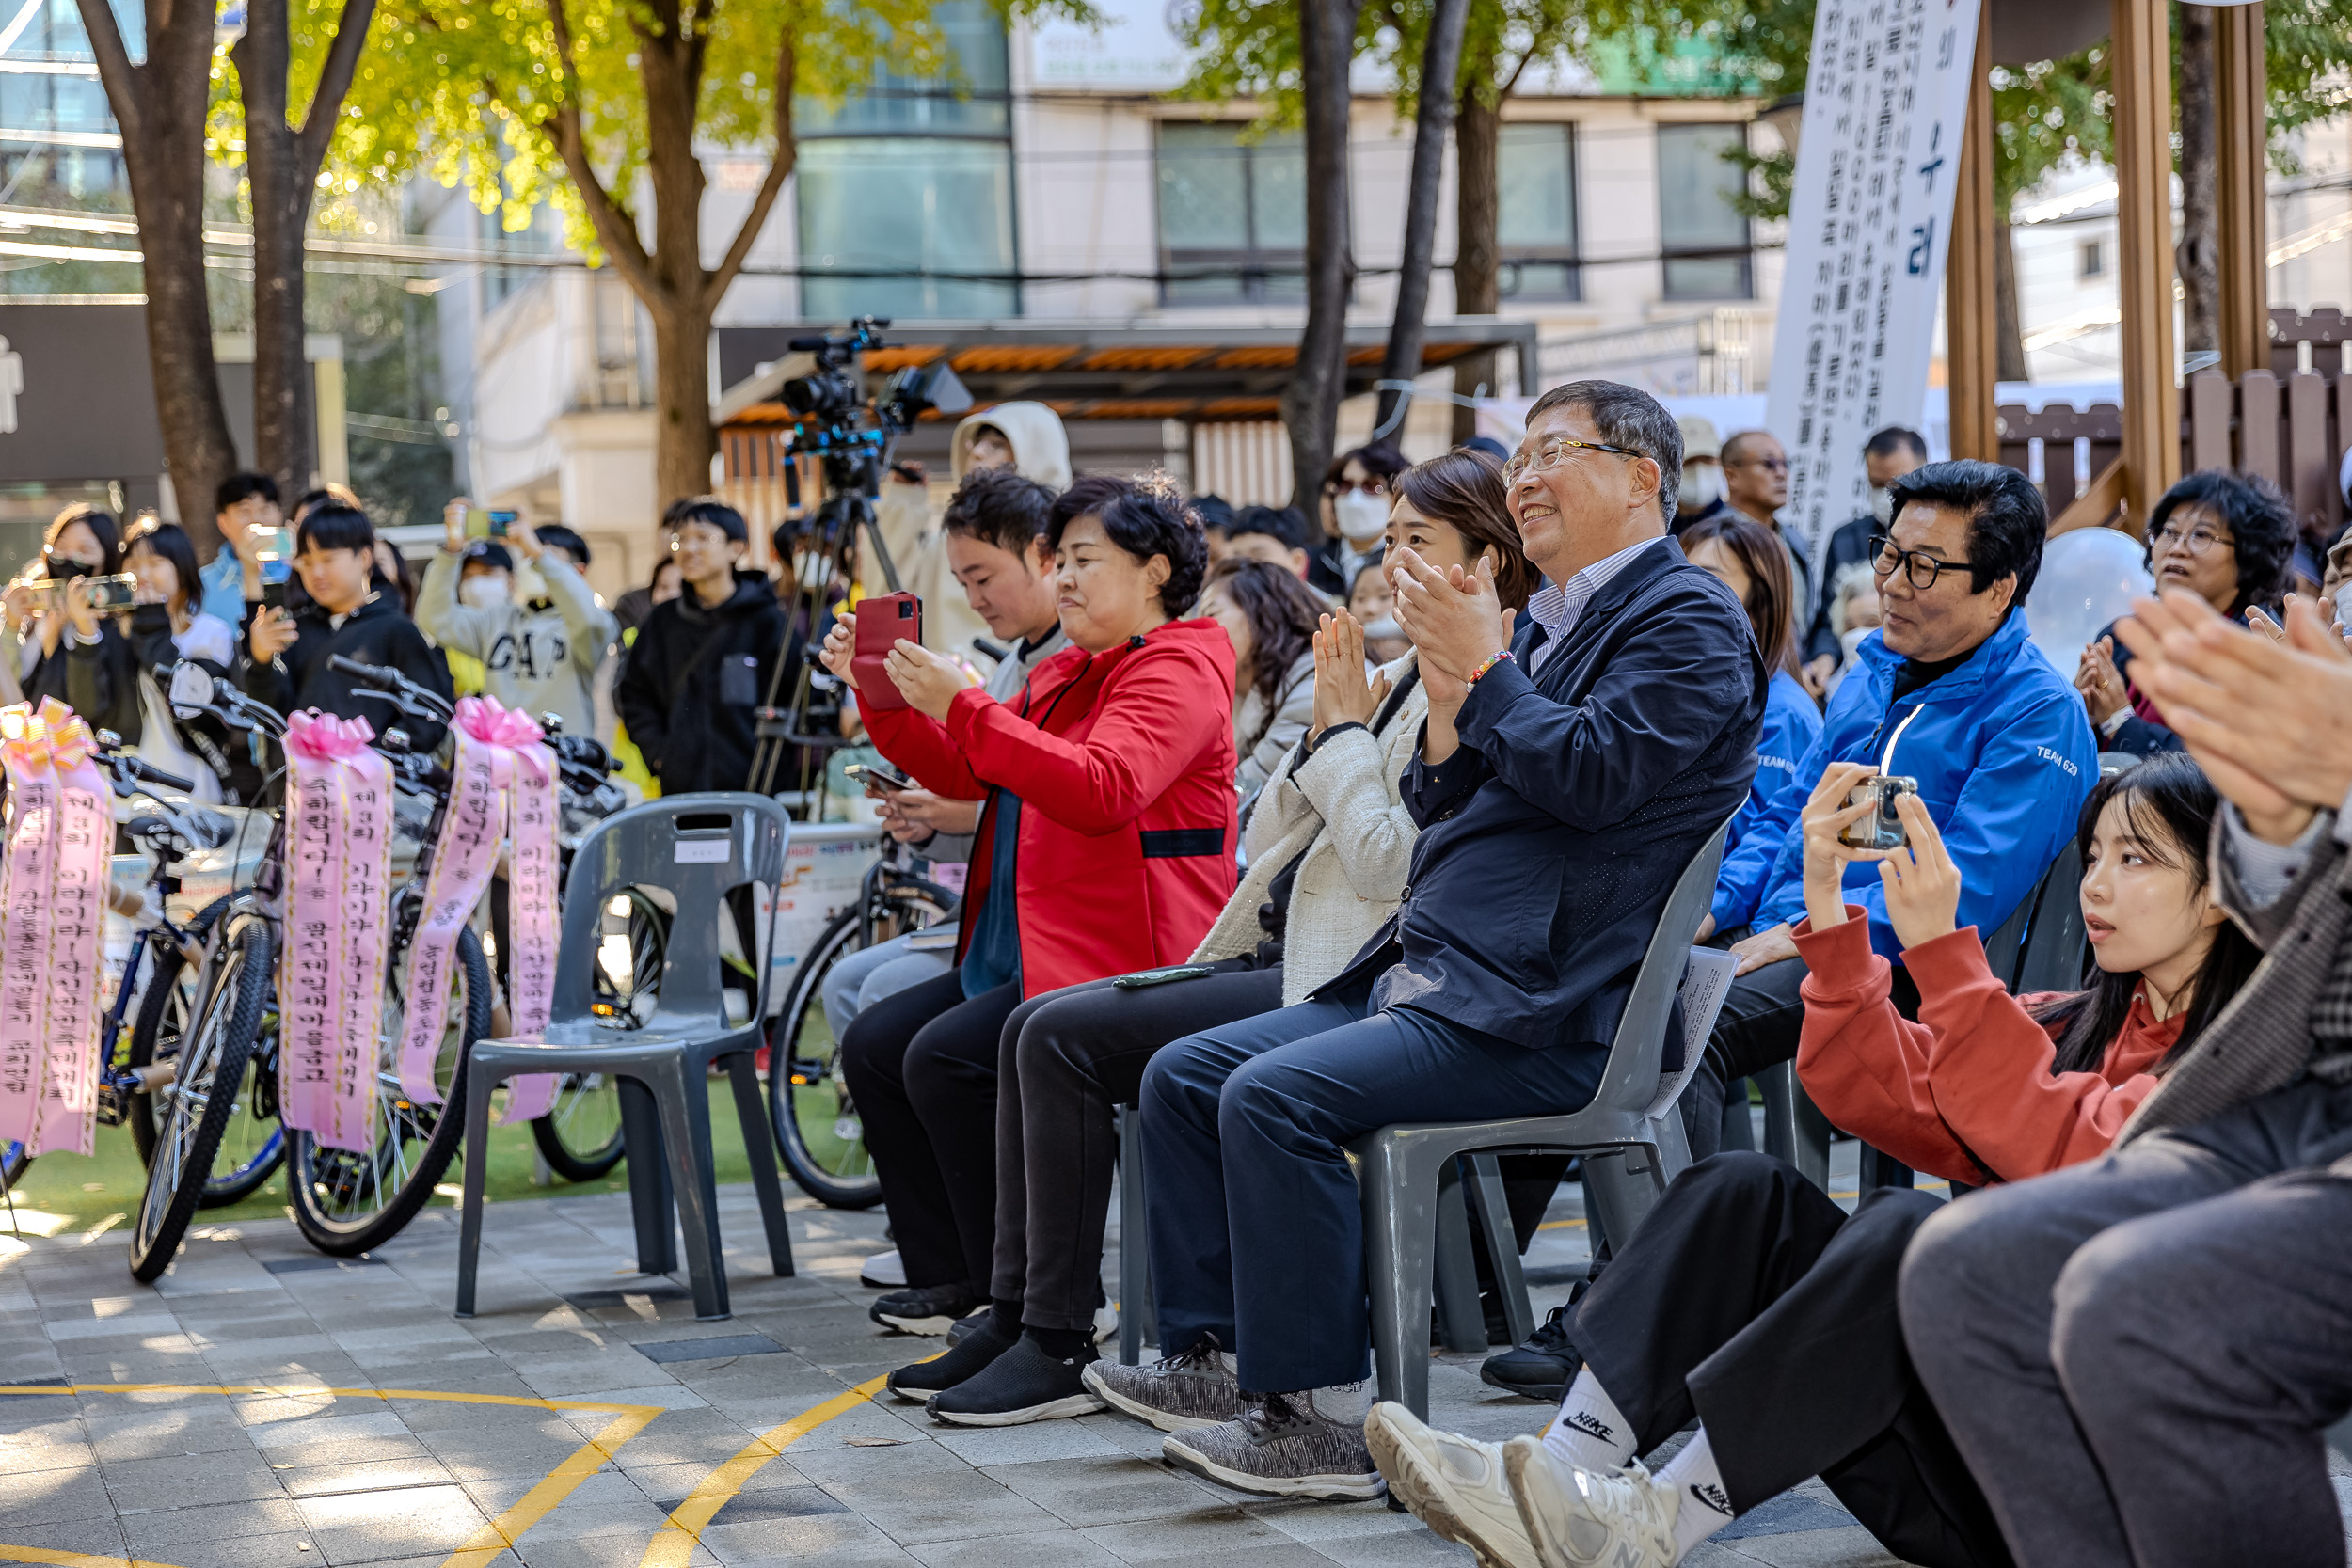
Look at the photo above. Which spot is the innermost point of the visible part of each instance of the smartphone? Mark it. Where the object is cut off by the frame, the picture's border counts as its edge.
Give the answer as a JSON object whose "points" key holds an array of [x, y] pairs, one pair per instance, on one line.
{"points": [[1881, 829], [500, 522], [111, 594], [881, 777], [273, 593], [880, 622], [1150, 977]]}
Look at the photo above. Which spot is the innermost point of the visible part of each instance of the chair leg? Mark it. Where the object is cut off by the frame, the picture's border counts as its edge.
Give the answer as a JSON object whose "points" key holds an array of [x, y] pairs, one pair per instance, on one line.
{"points": [[1502, 1249], [650, 1197], [1626, 1183], [1880, 1169], [1739, 1127], [1139, 1322], [760, 1143], [1461, 1321], [1399, 1201], [1794, 1129], [685, 1103], [479, 1082]]}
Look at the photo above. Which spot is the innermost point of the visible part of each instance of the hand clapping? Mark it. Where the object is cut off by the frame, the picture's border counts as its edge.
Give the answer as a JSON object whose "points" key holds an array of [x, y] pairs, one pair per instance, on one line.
{"points": [[1343, 694], [1455, 617]]}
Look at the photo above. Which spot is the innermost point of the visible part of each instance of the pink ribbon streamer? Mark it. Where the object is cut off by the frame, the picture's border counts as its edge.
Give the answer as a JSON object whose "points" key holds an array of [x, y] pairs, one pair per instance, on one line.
{"points": [[503, 782], [59, 836], [338, 848]]}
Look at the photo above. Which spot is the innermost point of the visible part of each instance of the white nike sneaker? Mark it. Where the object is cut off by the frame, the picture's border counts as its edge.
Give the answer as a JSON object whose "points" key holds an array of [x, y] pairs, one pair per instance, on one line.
{"points": [[1452, 1484], [1581, 1519]]}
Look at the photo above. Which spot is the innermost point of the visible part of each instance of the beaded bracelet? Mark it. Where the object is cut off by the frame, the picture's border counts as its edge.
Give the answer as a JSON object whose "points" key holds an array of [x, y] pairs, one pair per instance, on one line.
{"points": [[1492, 659]]}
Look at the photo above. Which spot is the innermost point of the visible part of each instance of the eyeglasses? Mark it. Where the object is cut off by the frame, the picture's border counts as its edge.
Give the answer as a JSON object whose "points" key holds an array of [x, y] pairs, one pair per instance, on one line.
{"points": [[1546, 457], [1376, 485], [2196, 541], [1920, 570]]}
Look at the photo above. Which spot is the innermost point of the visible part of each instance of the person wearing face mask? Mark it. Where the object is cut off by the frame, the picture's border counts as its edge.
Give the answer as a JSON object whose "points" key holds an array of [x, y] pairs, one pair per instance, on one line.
{"points": [[65, 649], [1025, 437], [539, 654], [1702, 495], [1356, 500], [1372, 602], [1886, 457], [1853, 614]]}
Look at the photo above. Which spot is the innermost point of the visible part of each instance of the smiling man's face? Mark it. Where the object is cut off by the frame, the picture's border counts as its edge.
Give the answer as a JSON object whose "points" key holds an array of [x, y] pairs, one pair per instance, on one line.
{"points": [[1565, 512]]}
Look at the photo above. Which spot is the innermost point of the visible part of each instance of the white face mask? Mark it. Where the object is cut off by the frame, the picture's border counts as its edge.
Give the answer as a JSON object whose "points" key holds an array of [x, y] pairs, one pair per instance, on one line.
{"points": [[484, 591], [1363, 518], [1702, 487], [1383, 627], [1883, 504], [1850, 638], [2343, 604]]}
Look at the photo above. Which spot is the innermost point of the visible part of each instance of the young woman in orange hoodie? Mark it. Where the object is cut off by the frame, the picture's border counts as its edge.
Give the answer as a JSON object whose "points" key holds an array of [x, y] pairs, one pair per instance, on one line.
{"points": [[1750, 1300]]}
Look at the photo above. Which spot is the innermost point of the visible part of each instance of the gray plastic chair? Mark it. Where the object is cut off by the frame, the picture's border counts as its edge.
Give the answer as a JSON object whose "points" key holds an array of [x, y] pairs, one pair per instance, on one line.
{"points": [[1631, 1136], [699, 849], [1139, 1325]]}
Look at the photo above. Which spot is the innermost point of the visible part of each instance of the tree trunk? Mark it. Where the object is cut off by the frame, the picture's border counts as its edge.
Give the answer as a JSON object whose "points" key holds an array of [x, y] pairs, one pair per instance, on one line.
{"points": [[1441, 65], [1310, 403], [280, 187], [160, 106], [680, 305], [2198, 251], [2007, 330], [681, 378], [1477, 253]]}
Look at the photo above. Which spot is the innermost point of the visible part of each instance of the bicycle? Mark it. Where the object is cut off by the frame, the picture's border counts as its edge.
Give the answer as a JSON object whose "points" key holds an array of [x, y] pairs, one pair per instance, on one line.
{"points": [[816, 1125]]}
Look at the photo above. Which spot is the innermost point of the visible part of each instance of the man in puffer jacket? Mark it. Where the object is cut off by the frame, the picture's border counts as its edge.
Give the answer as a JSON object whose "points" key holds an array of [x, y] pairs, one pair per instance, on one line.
{"points": [[537, 657]]}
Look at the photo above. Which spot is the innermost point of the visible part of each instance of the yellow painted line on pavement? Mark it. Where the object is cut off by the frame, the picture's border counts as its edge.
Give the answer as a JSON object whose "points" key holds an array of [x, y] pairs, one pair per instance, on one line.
{"points": [[673, 1545], [504, 1530], [72, 1560]]}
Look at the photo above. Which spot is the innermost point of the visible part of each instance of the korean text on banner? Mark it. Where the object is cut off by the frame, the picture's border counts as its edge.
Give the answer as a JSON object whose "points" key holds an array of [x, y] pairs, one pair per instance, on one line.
{"points": [[1870, 227]]}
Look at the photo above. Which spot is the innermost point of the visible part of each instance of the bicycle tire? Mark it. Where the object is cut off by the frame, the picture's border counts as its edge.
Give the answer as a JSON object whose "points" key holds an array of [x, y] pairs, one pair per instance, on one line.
{"points": [[157, 1034], [580, 1138], [147, 1029], [254, 1159], [318, 1177], [220, 1036], [804, 1080]]}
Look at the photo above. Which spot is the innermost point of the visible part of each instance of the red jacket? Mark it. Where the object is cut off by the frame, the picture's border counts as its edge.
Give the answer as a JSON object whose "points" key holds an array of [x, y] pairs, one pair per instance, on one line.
{"points": [[1123, 761], [1972, 1077]]}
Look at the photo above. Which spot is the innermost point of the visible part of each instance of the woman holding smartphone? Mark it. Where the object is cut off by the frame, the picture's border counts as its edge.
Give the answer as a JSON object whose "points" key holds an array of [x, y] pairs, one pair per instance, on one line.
{"points": [[1106, 844], [1328, 847], [70, 646]]}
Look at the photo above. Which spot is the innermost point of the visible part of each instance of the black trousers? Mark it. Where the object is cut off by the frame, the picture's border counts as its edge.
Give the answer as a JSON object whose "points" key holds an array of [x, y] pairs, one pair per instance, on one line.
{"points": [[1067, 1061], [921, 1065], [1752, 1301], [1761, 1022]]}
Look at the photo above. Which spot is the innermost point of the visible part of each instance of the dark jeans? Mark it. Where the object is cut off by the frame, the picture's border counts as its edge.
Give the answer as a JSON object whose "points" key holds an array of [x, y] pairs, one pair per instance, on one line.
{"points": [[1753, 1302], [2137, 1355], [1069, 1060], [1257, 1229], [1761, 1022], [921, 1065]]}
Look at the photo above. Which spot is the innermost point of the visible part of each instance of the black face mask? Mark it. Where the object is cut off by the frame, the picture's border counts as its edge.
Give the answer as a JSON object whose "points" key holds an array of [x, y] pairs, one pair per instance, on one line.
{"points": [[61, 567]]}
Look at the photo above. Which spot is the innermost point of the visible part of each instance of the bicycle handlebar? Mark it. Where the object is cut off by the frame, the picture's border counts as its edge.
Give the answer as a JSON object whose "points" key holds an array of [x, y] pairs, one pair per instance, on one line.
{"points": [[395, 688]]}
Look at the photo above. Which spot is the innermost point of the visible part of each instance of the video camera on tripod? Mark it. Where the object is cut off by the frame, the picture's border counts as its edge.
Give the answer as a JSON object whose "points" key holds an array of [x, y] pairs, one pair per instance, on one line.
{"points": [[850, 434]]}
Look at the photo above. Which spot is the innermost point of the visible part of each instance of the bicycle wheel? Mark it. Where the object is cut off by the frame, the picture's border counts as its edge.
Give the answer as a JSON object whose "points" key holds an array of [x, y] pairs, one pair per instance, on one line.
{"points": [[197, 1109], [581, 1138], [346, 1203], [163, 1018], [254, 1145], [817, 1126]]}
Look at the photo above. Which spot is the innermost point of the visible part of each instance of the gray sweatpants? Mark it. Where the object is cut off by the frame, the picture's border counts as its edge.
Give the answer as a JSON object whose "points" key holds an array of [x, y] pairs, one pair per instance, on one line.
{"points": [[2137, 1357]]}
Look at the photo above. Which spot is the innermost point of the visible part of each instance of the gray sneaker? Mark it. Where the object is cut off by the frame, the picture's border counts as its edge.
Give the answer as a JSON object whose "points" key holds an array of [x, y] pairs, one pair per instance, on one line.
{"points": [[1176, 1393], [1282, 1447]]}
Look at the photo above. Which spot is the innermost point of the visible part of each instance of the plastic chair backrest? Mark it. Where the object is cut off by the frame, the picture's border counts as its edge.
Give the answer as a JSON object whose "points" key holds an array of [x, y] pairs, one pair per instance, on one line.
{"points": [[2056, 948], [1628, 1081], [2115, 762], [696, 847], [2009, 948]]}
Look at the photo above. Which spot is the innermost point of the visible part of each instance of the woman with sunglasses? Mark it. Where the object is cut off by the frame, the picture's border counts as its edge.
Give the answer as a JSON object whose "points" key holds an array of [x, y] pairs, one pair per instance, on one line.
{"points": [[2226, 539]]}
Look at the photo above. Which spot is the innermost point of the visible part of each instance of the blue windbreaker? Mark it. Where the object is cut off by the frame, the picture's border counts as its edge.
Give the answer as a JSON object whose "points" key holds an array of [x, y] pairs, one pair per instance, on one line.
{"points": [[1792, 721], [2005, 759]]}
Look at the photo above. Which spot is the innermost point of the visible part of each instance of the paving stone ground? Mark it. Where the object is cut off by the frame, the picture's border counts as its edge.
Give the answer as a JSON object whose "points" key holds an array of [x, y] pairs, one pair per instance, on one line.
{"points": [[563, 1426]]}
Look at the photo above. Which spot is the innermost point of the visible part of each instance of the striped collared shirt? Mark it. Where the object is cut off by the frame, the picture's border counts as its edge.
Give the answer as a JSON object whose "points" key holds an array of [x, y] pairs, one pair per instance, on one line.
{"points": [[1555, 606]]}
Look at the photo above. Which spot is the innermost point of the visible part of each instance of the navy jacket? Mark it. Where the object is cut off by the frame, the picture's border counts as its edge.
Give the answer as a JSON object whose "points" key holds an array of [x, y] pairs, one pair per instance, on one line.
{"points": [[1551, 839]]}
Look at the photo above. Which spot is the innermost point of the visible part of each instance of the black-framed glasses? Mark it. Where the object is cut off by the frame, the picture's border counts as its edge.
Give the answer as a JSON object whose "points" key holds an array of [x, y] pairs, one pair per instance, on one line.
{"points": [[1918, 569], [2196, 540], [1548, 456]]}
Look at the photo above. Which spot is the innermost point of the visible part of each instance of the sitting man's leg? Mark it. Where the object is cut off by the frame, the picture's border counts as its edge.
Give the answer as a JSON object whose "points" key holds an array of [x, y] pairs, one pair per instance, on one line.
{"points": [[2204, 1351]]}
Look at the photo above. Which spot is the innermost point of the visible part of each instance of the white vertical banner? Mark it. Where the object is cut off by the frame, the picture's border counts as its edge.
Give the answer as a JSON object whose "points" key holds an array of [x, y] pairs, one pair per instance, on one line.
{"points": [[1870, 227]]}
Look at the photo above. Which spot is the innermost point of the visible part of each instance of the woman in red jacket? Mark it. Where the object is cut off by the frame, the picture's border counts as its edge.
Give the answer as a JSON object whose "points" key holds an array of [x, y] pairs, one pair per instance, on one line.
{"points": [[1750, 1300], [1105, 846]]}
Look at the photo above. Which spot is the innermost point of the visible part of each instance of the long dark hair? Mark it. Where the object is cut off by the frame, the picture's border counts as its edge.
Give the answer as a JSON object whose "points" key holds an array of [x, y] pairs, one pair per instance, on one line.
{"points": [[1772, 598], [169, 541], [1283, 613], [2171, 803]]}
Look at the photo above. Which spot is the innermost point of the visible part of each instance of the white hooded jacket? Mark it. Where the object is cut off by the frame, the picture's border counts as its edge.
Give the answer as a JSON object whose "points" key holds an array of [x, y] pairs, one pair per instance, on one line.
{"points": [[917, 540]]}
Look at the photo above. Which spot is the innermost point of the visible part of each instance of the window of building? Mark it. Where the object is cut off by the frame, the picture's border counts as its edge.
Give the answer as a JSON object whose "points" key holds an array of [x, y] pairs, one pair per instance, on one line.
{"points": [[2094, 258], [1233, 214], [1535, 212], [1703, 235], [905, 188]]}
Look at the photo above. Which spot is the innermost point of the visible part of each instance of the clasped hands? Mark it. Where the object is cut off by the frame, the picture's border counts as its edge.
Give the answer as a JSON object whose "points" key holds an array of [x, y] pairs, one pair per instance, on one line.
{"points": [[1455, 617], [927, 680]]}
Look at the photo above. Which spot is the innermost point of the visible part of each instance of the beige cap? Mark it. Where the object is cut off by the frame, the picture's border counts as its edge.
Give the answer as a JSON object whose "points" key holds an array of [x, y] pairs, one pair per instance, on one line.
{"points": [[1699, 438]]}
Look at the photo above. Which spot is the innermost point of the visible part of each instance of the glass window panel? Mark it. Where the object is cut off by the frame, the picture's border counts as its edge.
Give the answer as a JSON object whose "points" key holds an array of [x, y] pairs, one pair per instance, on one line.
{"points": [[906, 204], [1724, 277], [1695, 187], [1204, 188], [1278, 191], [972, 99], [1535, 187]]}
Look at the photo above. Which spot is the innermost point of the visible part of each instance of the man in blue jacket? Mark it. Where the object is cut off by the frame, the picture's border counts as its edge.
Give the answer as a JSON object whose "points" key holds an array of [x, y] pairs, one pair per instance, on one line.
{"points": [[1568, 775], [1996, 738]]}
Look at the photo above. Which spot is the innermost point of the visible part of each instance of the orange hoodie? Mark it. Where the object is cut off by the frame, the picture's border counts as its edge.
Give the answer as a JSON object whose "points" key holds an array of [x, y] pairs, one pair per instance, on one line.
{"points": [[1965, 1093]]}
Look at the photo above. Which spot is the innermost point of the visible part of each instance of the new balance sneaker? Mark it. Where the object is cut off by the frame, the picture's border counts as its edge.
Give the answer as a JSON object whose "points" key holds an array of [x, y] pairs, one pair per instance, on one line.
{"points": [[1581, 1519], [1540, 1368], [1025, 1383], [967, 1358], [1453, 1484], [928, 1309], [883, 1271], [1281, 1446], [1176, 1393]]}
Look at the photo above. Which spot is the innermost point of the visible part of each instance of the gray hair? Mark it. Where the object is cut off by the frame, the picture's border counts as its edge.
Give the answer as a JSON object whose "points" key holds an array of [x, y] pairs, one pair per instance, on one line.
{"points": [[1629, 418]]}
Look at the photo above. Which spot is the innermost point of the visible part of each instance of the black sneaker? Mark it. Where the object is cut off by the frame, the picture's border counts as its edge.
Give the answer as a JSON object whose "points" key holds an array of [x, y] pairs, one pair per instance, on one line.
{"points": [[1025, 1383], [966, 1359], [962, 1326], [1542, 1367], [930, 1309]]}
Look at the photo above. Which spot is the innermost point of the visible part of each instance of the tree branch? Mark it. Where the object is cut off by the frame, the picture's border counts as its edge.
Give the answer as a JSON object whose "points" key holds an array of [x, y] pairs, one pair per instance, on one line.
{"points": [[335, 76], [119, 77], [779, 170], [615, 230]]}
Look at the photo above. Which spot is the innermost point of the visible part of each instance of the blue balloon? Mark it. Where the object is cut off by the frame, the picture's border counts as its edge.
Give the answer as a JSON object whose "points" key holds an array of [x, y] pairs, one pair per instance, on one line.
{"points": [[2090, 577]]}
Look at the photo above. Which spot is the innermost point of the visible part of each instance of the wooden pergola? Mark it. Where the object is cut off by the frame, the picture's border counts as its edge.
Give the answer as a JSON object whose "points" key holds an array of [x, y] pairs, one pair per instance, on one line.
{"points": [[2019, 31]]}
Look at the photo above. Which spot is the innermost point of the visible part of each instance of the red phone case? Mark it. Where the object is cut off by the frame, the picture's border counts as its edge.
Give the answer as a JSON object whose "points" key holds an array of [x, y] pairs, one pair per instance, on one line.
{"points": [[880, 622]]}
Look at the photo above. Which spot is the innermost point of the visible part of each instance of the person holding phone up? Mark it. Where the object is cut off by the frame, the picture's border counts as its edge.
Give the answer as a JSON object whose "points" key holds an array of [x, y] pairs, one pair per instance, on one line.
{"points": [[70, 648], [1105, 844], [539, 653]]}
